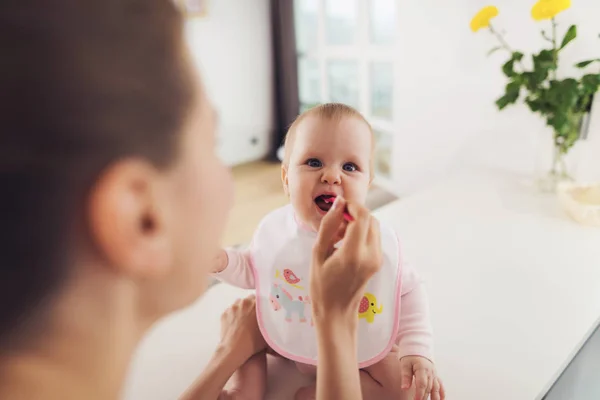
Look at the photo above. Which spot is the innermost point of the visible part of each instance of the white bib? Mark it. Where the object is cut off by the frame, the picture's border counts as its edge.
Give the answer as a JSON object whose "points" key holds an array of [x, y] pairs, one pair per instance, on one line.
{"points": [[282, 252]]}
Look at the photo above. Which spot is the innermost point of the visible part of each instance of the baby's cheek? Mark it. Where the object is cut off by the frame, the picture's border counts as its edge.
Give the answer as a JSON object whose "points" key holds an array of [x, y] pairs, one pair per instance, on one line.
{"points": [[358, 193]]}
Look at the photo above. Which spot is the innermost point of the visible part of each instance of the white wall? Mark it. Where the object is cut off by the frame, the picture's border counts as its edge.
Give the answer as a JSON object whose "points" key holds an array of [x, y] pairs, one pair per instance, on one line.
{"points": [[232, 48], [448, 86]]}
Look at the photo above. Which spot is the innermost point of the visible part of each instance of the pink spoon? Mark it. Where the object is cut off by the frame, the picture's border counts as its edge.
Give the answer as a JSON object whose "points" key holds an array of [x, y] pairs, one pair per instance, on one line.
{"points": [[347, 215]]}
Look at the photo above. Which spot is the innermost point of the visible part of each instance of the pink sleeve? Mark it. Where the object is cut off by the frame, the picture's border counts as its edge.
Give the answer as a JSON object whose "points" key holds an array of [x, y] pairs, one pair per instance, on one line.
{"points": [[415, 335], [239, 271]]}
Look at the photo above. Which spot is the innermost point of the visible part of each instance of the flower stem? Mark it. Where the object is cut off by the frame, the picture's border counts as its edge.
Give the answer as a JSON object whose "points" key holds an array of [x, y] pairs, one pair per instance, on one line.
{"points": [[554, 49], [504, 43], [501, 39]]}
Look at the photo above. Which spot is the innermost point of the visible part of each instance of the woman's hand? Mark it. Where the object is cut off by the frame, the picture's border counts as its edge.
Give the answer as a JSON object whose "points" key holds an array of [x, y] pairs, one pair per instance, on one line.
{"points": [[339, 276], [239, 328], [337, 281], [240, 340]]}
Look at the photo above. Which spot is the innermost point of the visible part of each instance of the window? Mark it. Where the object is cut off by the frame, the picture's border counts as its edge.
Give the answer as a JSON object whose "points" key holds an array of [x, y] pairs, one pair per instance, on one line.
{"points": [[306, 18], [382, 21], [341, 21], [343, 82], [309, 83], [382, 89], [346, 54]]}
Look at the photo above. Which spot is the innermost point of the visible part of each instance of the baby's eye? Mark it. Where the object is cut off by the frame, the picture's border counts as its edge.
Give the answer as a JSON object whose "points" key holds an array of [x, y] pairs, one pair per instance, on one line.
{"points": [[350, 167], [314, 163]]}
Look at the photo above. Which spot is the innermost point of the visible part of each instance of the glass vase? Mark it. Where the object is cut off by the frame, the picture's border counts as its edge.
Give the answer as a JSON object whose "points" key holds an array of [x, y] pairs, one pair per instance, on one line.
{"points": [[558, 154], [555, 166]]}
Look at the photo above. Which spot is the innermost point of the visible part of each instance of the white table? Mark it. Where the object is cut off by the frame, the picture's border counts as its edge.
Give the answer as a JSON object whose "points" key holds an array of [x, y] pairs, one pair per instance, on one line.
{"points": [[514, 287]]}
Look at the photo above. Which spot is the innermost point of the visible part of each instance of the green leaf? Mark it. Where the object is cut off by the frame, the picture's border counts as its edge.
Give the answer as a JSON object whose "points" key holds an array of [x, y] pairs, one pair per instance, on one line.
{"points": [[562, 95], [533, 80], [535, 105], [509, 67], [569, 36], [510, 97], [513, 87], [544, 60], [502, 102], [584, 104], [492, 51], [584, 64], [560, 123], [517, 56], [590, 83], [571, 139]]}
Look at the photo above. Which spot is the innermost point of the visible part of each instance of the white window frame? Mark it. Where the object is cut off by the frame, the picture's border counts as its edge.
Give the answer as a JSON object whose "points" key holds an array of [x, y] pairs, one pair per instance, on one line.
{"points": [[365, 53]]}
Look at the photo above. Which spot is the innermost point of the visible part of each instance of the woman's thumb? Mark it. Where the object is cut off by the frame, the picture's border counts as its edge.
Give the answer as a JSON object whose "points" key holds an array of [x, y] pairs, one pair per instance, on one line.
{"points": [[329, 228]]}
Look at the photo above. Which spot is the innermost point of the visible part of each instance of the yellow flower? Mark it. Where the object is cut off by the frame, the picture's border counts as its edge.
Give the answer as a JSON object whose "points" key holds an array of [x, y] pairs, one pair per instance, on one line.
{"points": [[483, 18], [548, 9]]}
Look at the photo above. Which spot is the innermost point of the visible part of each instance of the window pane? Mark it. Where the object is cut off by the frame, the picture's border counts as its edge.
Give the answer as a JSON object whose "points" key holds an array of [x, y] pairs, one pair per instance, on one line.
{"points": [[383, 154], [382, 21], [306, 20], [343, 82], [309, 82], [340, 21], [382, 89]]}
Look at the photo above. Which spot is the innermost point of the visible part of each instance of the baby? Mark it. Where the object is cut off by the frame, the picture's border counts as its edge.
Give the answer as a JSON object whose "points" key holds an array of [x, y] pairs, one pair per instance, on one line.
{"points": [[328, 152]]}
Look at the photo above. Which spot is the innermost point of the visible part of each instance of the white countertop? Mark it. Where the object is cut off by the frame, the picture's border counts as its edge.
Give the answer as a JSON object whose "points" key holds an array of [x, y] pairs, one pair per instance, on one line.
{"points": [[514, 287], [514, 283]]}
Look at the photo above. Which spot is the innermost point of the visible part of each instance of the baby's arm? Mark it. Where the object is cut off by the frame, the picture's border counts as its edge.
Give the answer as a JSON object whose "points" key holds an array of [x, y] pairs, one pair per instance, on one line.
{"points": [[414, 349], [415, 334], [235, 268], [415, 340]]}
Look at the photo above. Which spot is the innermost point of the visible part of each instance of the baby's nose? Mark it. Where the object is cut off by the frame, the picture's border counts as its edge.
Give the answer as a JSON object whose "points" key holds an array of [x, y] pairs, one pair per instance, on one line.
{"points": [[331, 176]]}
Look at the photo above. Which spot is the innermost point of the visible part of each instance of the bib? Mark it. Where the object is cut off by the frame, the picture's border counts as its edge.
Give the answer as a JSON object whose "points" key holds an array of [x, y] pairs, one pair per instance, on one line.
{"points": [[282, 253]]}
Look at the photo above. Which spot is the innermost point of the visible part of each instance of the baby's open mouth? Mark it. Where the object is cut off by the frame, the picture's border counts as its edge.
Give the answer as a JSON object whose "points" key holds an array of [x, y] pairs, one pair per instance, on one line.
{"points": [[325, 201]]}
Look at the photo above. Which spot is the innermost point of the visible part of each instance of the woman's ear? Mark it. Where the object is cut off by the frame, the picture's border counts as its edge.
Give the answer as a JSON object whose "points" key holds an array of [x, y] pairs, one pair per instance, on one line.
{"points": [[284, 179], [129, 221]]}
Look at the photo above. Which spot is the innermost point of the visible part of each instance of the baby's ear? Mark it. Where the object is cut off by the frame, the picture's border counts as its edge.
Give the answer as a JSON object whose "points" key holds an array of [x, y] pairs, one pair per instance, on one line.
{"points": [[284, 179]]}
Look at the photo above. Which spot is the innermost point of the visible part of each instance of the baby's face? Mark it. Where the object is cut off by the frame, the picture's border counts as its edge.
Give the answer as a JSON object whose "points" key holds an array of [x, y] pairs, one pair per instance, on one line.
{"points": [[330, 157]]}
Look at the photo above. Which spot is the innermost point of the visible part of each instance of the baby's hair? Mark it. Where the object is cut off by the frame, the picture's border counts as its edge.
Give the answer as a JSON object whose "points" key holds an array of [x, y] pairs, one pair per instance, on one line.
{"points": [[326, 111]]}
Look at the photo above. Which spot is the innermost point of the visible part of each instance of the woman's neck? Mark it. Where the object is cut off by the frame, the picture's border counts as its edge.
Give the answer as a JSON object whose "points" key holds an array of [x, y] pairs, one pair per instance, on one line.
{"points": [[85, 354]]}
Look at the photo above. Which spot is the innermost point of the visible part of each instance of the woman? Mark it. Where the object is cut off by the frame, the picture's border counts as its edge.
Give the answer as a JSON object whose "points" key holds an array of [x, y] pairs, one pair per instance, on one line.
{"points": [[113, 204]]}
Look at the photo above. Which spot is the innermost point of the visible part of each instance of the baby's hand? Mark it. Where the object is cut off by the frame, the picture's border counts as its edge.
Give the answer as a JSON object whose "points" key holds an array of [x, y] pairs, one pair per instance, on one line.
{"points": [[220, 262], [426, 380]]}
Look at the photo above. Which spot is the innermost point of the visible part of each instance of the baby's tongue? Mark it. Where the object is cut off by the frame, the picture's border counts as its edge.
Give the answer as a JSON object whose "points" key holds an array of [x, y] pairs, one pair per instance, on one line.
{"points": [[328, 199]]}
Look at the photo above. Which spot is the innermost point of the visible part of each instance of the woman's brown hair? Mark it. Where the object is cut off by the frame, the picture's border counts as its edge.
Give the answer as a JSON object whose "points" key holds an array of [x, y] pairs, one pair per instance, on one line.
{"points": [[83, 83]]}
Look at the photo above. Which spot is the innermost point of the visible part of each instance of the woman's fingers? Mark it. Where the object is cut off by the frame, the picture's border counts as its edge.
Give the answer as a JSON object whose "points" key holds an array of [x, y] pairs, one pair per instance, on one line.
{"points": [[435, 390], [249, 302], [330, 225], [357, 231]]}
